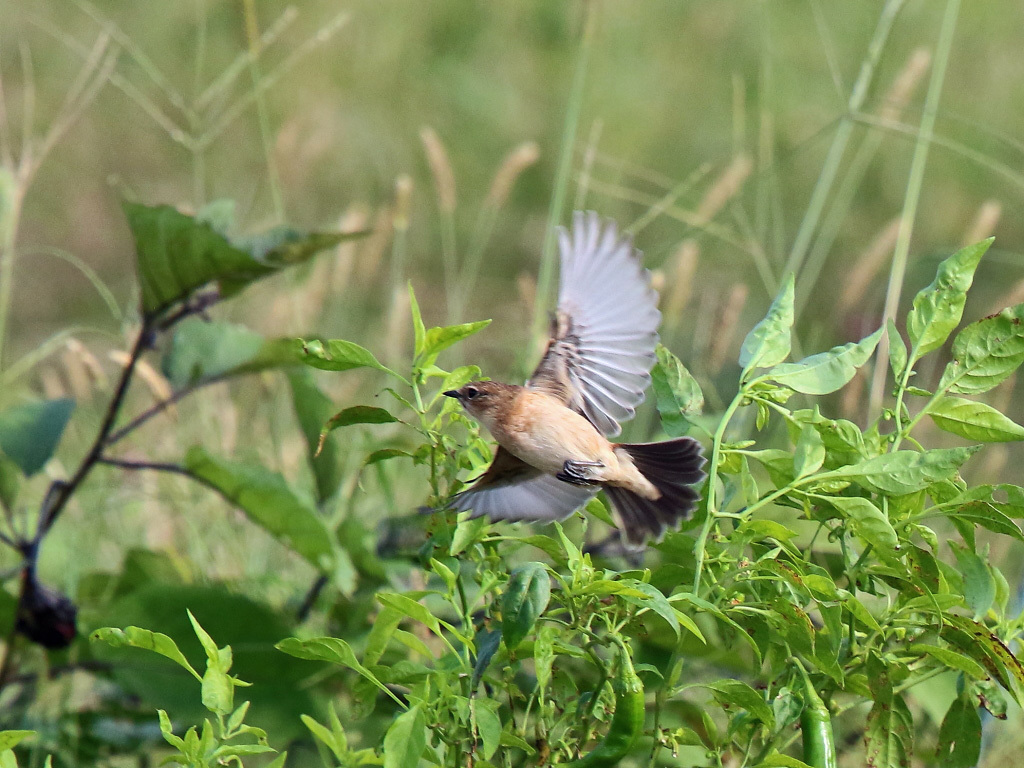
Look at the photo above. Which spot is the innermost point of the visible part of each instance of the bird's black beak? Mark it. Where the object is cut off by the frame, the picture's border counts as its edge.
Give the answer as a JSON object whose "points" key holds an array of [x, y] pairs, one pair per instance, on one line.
{"points": [[451, 393]]}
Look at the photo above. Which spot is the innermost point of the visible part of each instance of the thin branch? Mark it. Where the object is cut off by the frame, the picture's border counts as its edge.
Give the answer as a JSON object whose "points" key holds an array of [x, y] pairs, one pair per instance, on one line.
{"points": [[158, 466], [61, 491]]}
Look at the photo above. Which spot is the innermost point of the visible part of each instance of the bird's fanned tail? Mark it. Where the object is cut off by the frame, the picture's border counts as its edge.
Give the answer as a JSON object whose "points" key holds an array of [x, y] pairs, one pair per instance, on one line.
{"points": [[673, 467]]}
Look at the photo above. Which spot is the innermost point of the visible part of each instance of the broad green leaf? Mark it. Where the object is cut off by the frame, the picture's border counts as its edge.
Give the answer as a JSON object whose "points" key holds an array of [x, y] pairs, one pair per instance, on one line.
{"points": [[201, 351], [809, 454], [268, 501], [889, 737], [952, 659], [869, 524], [312, 409], [406, 739], [418, 612], [979, 587], [987, 515], [330, 649], [29, 433], [979, 642], [778, 760], [134, 637], [769, 342], [651, 598], [487, 644], [437, 340], [524, 600], [383, 454], [826, 372], [488, 725], [902, 472], [975, 421], [358, 414], [11, 739], [324, 734], [938, 308], [898, 356], [736, 693], [338, 355], [985, 353], [678, 394], [177, 254], [960, 734]]}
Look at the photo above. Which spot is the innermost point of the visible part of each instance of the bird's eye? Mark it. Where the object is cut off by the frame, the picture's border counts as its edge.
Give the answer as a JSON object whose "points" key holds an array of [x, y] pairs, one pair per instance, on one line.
{"points": [[471, 392]]}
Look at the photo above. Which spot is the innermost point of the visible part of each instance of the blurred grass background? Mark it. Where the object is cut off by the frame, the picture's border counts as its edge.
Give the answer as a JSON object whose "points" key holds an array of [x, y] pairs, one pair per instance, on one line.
{"points": [[703, 125]]}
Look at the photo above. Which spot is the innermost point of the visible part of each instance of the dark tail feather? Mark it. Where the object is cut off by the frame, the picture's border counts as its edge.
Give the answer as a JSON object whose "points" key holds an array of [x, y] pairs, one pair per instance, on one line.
{"points": [[672, 467]]}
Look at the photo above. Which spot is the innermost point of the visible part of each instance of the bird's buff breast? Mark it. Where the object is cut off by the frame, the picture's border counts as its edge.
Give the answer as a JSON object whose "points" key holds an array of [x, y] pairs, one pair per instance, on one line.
{"points": [[545, 434]]}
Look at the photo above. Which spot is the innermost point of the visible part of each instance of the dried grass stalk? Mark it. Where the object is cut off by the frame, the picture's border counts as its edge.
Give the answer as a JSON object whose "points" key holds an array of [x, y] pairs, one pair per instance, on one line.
{"points": [[440, 169], [867, 265], [517, 161]]}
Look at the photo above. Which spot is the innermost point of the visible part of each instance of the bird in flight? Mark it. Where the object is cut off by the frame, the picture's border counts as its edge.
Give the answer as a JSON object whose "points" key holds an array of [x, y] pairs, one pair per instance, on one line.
{"points": [[553, 451]]}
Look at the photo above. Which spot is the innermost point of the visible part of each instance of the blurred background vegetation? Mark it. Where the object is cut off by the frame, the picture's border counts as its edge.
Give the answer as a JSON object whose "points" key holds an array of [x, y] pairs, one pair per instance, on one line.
{"points": [[708, 127]]}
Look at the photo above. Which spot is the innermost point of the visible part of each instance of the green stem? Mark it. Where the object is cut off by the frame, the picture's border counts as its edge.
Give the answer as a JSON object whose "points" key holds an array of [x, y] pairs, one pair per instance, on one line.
{"points": [[569, 129], [9, 219], [912, 198], [712, 513], [833, 160]]}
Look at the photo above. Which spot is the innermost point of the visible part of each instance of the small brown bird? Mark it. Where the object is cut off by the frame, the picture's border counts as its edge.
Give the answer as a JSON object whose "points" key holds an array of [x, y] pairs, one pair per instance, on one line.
{"points": [[553, 450]]}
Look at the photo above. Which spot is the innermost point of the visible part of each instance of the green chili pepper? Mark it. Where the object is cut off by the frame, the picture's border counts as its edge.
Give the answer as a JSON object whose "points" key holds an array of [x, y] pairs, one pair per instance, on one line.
{"points": [[816, 726], [627, 722]]}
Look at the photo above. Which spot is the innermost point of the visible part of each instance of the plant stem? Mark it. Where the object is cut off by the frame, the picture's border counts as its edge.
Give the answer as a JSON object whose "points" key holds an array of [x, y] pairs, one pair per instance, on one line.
{"points": [[912, 198], [9, 225], [572, 119], [834, 158], [63, 490], [712, 513]]}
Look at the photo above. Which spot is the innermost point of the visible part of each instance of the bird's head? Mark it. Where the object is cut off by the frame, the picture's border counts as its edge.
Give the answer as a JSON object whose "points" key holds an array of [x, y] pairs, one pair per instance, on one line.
{"points": [[483, 399]]}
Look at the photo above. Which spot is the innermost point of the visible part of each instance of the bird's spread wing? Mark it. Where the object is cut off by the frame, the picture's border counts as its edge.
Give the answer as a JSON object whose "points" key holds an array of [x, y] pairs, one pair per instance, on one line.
{"points": [[599, 359], [513, 490]]}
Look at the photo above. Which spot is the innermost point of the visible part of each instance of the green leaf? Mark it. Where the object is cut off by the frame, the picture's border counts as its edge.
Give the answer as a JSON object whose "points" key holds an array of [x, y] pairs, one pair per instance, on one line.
{"points": [[420, 613], [29, 433], [11, 739], [898, 356], [269, 502], [826, 372], [810, 452], [869, 524], [524, 600], [679, 397], [338, 355], [406, 739], [736, 693], [651, 598], [889, 737], [979, 586], [960, 735], [989, 516], [419, 331], [201, 351], [769, 342], [177, 254], [437, 340], [902, 472], [975, 421], [781, 761], [488, 725], [938, 308], [330, 649], [134, 637], [952, 659], [10, 482], [985, 353], [312, 409], [358, 414], [979, 642], [324, 734]]}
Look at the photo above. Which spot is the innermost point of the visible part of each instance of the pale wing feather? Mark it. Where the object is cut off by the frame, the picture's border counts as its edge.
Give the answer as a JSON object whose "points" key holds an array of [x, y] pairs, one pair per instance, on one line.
{"points": [[541, 498], [600, 359]]}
